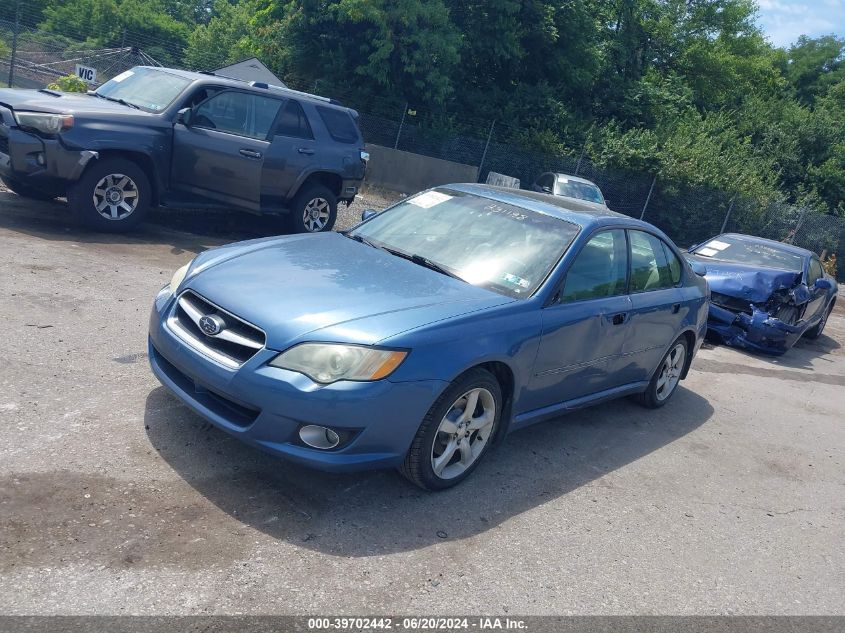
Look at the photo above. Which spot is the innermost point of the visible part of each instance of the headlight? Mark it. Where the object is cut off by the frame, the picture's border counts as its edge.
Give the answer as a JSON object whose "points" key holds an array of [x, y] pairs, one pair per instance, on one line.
{"points": [[329, 362], [43, 122], [178, 277]]}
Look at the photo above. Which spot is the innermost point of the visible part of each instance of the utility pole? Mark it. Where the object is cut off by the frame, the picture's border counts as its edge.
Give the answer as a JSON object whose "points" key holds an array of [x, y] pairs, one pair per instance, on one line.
{"points": [[486, 146], [728, 215], [401, 123], [648, 197]]}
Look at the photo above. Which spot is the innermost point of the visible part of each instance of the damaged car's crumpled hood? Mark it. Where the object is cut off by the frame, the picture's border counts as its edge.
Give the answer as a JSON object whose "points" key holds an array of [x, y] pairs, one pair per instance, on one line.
{"points": [[752, 283]]}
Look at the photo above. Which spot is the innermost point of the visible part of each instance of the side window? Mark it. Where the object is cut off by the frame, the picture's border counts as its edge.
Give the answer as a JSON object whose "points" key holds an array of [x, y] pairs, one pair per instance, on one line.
{"points": [[599, 270], [238, 113], [293, 122], [340, 124], [674, 263], [649, 266], [200, 95], [815, 272]]}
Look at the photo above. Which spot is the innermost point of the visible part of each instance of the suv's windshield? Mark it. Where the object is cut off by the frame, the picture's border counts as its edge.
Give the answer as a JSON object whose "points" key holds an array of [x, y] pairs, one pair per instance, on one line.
{"points": [[146, 88], [733, 248], [486, 243], [575, 189]]}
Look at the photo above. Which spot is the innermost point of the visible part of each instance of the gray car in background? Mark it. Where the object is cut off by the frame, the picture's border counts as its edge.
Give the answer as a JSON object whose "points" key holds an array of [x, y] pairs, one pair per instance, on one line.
{"points": [[571, 187], [163, 137]]}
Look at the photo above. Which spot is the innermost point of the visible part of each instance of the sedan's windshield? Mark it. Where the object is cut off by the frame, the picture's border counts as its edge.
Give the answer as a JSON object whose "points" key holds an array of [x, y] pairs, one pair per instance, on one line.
{"points": [[733, 248], [576, 189], [146, 88], [505, 248]]}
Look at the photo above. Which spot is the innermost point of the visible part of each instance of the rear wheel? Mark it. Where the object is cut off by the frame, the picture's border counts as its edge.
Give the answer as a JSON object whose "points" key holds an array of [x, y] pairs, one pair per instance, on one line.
{"points": [[665, 381], [28, 191], [113, 195], [816, 331], [456, 432], [314, 210]]}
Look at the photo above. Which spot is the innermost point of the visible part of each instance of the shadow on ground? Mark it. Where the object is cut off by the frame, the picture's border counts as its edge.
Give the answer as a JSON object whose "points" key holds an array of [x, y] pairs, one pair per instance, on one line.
{"points": [[379, 512]]}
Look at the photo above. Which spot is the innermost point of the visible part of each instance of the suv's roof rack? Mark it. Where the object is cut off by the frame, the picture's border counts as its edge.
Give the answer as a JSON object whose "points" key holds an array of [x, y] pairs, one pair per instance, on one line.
{"points": [[265, 86]]}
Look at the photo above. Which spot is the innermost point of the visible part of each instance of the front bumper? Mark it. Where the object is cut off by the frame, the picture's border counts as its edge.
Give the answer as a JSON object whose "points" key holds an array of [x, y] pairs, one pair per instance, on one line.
{"points": [[39, 162], [265, 406], [758, 332]]}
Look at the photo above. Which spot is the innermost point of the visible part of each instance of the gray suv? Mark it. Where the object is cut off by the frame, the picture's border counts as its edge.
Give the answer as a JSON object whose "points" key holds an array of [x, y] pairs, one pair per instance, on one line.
{"points": [[173, 138]]}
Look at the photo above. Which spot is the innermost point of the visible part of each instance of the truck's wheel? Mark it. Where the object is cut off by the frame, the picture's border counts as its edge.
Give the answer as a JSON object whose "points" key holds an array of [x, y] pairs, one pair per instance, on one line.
{"points": [[113, 195], [314, 210], [27, 191]]}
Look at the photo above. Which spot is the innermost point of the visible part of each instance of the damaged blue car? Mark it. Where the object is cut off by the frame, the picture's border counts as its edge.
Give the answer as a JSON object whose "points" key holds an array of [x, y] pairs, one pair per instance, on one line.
{"points": [[765, 295]]}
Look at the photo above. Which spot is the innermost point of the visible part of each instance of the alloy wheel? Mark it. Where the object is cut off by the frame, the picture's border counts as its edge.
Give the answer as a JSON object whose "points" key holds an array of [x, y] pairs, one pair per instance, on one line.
{"points": [[463, 433], [670, 371], [315, 216], [115, 197]]}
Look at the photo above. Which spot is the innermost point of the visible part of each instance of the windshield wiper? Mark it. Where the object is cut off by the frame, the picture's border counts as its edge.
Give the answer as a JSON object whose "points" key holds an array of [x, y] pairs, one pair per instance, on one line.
{"points": [[120, 101], [424, 262], [363, 240]]}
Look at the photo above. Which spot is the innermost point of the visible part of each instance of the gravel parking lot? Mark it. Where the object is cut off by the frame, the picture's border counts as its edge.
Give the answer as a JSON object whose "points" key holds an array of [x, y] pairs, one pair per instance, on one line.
{"points": [[115, 498]]}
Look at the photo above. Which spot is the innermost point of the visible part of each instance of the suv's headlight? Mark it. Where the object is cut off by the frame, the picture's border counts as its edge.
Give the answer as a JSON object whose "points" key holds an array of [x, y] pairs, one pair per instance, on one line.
{"points": [[44, 122], [329, 362]]}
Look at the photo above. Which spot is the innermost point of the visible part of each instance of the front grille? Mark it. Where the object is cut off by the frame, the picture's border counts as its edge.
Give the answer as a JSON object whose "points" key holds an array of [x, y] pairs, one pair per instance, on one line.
{"points": [[730, 303], [232, 346], [233, 412]]}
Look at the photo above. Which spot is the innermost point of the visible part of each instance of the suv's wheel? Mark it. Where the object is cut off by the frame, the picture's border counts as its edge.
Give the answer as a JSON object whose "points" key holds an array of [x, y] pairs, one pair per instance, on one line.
{"points": [[113, 195], [314, 209], [665, 381], [456, 432], [817, 330], [28, 191]]}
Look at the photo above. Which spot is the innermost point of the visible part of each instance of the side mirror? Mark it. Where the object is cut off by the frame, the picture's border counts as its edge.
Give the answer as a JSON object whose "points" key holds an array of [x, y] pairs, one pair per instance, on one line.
{"points": [[823, 284], [547, 190], [698, 268], [366, 214], [184, 116]]}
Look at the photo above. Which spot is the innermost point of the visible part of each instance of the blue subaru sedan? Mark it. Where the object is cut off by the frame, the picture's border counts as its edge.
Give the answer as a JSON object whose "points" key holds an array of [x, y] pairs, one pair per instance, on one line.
{"points": [[429, 331]]}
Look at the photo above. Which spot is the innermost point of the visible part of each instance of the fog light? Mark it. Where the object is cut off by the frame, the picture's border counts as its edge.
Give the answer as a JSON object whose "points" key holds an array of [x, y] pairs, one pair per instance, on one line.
{"points": [[319, 436], [39, 158]]}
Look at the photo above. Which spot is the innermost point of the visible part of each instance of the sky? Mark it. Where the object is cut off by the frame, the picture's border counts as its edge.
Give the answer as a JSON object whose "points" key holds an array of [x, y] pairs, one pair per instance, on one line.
{"points": [[784, 20]]}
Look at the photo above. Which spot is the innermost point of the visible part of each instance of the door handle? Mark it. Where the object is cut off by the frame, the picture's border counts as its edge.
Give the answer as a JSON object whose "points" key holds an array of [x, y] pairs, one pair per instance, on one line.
{"points": [[305, 150], [620, 318], [676, 307], [250, 153]]}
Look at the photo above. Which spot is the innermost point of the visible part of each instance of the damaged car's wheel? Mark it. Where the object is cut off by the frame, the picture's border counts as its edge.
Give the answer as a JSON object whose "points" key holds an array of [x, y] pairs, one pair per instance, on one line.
{"points": [[816, 332], [665, 381]]}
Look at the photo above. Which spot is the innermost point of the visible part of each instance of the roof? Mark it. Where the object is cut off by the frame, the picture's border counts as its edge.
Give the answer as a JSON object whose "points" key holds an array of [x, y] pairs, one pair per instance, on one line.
{"points": [[250, 70], [783, 246], [221, 80], [571, 209]]}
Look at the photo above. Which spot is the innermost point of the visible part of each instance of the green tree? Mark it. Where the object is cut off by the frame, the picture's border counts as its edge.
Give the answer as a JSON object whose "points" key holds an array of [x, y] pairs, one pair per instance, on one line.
{"points": [[230, 35], [814, 65]]}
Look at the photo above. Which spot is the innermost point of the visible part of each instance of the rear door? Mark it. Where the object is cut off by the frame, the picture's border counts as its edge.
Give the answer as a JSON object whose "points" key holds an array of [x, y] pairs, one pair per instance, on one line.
{"points": [[657, 305], [220, 155], [292, 151], [585, 328]]}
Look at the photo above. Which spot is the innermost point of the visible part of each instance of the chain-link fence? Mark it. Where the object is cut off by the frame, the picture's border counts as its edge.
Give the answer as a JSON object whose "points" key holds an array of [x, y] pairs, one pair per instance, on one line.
{"points": [[31, 57]]}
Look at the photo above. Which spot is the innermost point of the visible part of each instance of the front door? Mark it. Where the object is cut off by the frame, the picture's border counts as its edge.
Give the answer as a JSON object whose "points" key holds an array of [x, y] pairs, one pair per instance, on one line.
{"points": [[220, 154], [585, 328]]}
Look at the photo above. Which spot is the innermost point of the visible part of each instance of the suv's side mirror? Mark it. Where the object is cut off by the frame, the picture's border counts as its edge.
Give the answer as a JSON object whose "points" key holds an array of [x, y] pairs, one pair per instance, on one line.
{"points": [[547, 189], [366, 214], [823, 284], [184, 116]]}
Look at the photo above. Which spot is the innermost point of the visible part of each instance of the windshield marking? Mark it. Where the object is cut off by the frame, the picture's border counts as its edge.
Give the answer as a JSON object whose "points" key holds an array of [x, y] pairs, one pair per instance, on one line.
{"points": [[428, 199]]}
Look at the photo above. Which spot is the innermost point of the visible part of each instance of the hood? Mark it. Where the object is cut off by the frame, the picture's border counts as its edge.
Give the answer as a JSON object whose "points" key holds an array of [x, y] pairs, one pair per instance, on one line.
{"points": [[62, 103], [743, 281], [330, 287]]}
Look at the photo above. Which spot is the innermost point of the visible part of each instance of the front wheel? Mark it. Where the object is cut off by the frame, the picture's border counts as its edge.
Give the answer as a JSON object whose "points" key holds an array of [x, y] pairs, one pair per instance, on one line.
{"points": [[456, 432], [817, 330], [665, 381], [113, 195], [314, 210]]}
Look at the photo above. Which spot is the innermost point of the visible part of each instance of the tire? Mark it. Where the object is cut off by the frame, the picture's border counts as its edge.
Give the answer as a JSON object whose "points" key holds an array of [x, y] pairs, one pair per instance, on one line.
{"points": [[27, 191], [817, 330], [314, 210], [656, 394], [432, 443], [108, 177]]}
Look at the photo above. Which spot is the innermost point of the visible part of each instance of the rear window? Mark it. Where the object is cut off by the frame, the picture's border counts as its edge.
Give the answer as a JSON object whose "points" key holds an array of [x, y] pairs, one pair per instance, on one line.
{"points": [[340, 124]]}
